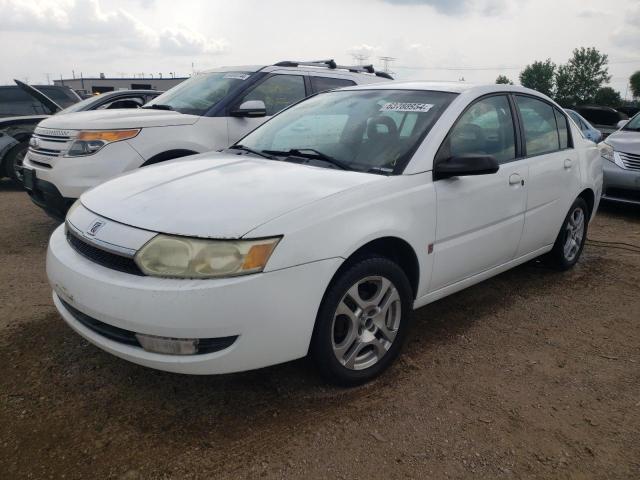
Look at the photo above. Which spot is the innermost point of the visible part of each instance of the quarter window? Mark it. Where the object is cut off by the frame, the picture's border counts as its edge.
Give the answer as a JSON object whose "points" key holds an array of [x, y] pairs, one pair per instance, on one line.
{"points": [[278, 92], [486, 128], [539, 125]]}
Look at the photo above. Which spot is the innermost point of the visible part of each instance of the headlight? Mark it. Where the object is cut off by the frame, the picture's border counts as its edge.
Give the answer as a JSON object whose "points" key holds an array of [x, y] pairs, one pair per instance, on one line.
{"points": [[90, 141], [181, 257], [606, 151]]}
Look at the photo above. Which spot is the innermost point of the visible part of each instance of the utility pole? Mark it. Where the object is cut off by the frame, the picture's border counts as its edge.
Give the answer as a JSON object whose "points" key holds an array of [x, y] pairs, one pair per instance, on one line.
{"points": [[386, 61]]}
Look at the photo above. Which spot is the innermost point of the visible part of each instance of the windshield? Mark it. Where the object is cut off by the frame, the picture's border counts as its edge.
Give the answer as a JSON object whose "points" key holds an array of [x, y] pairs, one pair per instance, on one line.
{"points": [[364, 130], [198, 94], [633, 124]]}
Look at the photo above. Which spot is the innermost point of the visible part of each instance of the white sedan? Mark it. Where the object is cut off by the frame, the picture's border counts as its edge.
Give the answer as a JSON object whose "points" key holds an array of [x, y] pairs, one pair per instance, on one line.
{"points": [[319, 232]]}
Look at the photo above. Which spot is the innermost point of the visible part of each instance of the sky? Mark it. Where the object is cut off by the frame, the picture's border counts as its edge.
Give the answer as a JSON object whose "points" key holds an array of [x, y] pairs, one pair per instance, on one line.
{"points": [[430, 39]]}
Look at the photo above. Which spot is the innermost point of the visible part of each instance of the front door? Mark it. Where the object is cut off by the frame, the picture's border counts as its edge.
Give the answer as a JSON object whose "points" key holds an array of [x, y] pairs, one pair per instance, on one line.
{"points": [[277, 91], [479, 218]]}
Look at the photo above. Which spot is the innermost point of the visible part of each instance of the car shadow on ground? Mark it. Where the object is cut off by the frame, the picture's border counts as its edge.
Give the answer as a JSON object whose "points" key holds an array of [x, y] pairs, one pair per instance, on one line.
{"points": [[7, 185], [77, 379]]}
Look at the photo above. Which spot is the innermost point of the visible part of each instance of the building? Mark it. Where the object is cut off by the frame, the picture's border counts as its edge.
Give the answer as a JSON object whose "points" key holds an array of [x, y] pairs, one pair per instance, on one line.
{"points": [[103, 84]]}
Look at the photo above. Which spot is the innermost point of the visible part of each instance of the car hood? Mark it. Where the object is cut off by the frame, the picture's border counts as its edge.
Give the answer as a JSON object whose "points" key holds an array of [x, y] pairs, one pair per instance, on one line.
{"points": [[625, 141], [216, 195], [6, 121], [112, 119]]}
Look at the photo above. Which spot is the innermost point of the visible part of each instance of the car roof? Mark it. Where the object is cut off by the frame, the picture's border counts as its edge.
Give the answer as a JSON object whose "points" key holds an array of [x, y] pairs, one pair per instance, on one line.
{"points": [[319, 68], [452, 87]]}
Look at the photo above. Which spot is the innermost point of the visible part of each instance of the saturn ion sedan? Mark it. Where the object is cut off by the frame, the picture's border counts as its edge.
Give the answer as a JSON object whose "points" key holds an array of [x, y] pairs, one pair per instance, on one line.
{"points": [[319, 232]]}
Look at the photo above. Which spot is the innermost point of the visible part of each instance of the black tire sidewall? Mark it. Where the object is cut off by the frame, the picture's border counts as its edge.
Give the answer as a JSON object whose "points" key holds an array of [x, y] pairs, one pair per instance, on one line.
{"points": [[321, 344]]}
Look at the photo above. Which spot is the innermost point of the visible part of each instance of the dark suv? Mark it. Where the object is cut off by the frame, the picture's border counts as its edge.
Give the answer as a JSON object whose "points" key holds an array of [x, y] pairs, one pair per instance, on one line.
{"points": [[15, 102]]}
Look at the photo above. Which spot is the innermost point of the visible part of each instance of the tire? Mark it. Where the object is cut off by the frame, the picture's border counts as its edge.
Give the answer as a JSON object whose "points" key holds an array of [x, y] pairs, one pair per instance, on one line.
{"points": [[13, 161], [571, 238], [354, 339]]}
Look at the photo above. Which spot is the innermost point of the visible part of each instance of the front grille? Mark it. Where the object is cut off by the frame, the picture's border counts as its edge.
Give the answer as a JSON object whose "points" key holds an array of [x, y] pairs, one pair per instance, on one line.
{"points": [[630, 160], [120, 335], [102, 257]]}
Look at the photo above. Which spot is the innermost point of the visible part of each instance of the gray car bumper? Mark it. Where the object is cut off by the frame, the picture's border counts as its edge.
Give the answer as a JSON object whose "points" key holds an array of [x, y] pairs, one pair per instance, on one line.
{"points": [[620, 184]]}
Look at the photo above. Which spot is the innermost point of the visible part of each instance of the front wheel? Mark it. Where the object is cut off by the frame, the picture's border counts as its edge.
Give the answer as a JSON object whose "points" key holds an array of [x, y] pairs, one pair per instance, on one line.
{"points": [[13, 161], [573, 234], [362, 321]]}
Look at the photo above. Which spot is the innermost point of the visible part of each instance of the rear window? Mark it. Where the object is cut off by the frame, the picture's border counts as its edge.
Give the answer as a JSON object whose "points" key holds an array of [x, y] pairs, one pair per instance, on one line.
{"points": [[320, 84]]}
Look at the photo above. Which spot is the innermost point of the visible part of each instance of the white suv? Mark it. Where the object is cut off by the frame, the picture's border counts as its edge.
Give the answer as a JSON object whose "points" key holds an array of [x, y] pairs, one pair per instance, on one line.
{"points": [[72, 153]]}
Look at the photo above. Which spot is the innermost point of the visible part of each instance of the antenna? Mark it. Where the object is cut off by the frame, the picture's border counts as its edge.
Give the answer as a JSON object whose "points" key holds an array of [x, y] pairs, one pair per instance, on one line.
{"points": [[386, 61], [360, 58]]}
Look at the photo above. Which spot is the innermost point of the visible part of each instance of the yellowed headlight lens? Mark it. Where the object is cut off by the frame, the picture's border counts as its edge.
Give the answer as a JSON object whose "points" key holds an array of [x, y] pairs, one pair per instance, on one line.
{"points": [[181, 257], [107, 135]]}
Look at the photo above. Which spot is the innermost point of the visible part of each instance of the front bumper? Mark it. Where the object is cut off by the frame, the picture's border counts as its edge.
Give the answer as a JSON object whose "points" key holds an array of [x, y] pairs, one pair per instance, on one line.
{"points": [[620, 184], [72, 176], [272, 314], [46, 196]]}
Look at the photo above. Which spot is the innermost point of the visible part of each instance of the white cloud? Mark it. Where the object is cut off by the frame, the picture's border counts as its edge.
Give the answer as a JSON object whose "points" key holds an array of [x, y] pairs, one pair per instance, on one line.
{"points": [[459, 7], [628, 35], [87, 23]]}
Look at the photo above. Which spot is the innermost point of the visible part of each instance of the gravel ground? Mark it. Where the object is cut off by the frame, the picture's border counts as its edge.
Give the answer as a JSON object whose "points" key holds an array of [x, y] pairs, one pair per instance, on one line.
{"points": [[533, 374]]}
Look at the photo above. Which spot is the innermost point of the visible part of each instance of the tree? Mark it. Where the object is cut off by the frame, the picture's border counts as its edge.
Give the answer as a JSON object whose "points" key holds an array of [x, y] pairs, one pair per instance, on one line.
{"points": [[579, 80], [634, 82], [607, 97], [539, 76], [503, 80]]}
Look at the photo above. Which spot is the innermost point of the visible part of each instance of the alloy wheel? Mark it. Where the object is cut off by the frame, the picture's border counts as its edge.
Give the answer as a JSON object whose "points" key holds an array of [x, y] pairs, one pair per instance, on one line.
{"points": [[366, 322]]}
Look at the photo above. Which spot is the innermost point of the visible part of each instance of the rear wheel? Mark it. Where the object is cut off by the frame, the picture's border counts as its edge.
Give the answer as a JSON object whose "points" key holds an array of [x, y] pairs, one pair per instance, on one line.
{"points": [[573, 234], [362, 321]]}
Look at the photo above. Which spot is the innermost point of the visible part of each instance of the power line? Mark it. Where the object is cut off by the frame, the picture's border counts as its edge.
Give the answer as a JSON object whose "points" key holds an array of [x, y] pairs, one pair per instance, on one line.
{"points": [[460, 69]]}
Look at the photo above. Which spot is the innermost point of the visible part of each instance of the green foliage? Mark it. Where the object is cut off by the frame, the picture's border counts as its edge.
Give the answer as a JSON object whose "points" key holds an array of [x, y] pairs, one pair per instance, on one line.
{"points": [[607, 97], [539, 76], [578, 81], [634, 82], [503, 80]]}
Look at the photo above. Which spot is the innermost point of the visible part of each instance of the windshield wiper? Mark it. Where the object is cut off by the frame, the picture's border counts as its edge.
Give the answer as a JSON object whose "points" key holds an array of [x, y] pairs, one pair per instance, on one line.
{"points": [[159, 106], [311, 153], [251, 150]]}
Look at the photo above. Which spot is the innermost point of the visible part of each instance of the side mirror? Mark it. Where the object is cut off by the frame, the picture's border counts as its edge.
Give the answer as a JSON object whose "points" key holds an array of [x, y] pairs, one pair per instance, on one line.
{"points": [[465, 165], [250, 108], [622, 123]]}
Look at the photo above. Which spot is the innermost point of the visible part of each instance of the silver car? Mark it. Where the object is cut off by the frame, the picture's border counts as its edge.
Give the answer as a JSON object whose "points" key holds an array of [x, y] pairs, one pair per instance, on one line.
{"points": [[622, 171]]}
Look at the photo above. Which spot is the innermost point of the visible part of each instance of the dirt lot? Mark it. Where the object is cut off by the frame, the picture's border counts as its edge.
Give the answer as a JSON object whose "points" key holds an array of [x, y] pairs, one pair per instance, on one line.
{"points": [[533, 374]]}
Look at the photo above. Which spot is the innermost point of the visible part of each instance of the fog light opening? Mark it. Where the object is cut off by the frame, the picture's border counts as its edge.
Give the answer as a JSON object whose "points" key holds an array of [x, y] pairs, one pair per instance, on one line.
{"points": [[167, 345]]}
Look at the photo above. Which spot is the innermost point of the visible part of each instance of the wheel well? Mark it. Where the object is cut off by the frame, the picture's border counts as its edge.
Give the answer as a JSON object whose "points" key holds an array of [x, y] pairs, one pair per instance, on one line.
{"points": [[394, 249], [169, 155], [588, 196]]}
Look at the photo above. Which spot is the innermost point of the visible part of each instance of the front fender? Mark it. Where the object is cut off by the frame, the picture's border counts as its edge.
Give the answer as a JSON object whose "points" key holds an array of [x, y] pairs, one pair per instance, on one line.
{"points": [[337, 226]]}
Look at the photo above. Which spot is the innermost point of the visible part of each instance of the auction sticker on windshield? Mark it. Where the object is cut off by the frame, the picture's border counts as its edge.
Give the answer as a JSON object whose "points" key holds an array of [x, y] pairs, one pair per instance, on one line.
{"points": [[236, 76], [406, 107]]}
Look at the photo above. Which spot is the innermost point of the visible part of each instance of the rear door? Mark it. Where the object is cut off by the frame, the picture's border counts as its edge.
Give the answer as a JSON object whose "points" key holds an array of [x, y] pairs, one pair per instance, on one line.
{"points": [[479, 218], [553, 171]]}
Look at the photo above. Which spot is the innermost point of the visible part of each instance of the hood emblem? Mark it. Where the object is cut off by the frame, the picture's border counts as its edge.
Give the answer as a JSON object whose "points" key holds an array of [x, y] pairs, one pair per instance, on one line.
{"points": [[95, 226]]}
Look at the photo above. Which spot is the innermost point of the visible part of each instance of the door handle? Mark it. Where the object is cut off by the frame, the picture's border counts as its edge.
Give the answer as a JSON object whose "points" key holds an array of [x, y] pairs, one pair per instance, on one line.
{"points": [[568, 163], [515, 179]]}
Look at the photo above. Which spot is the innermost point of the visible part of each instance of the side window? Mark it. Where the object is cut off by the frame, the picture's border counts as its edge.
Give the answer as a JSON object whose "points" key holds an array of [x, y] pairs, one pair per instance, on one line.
{"points": [[539, 124], [320, 84], [563, 129], [278, 92], [486, 128]]}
